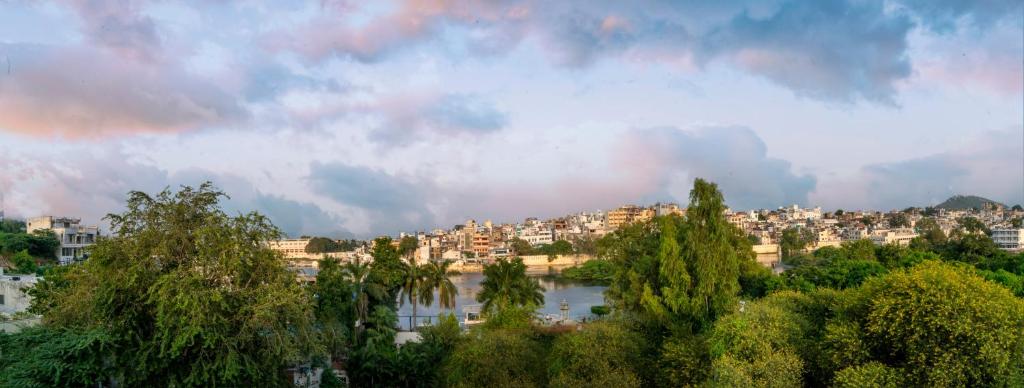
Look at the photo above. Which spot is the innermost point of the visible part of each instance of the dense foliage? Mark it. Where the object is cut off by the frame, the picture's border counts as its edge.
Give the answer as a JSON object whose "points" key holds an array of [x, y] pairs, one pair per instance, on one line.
{"points": [[184, 295], [597, 270], [41, 244], [181, 294], [326, 245]]}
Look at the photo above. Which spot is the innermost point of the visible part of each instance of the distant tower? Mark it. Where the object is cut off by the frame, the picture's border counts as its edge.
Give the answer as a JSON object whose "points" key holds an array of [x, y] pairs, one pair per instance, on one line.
{"points": [[564, 308]]}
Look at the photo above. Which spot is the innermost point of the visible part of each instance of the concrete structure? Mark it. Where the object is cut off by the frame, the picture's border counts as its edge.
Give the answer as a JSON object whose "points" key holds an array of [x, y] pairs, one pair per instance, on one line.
{"points": [[628, 214], [73, 237], [898, 236], [291, 248], [12, 299], [1011, 239]]}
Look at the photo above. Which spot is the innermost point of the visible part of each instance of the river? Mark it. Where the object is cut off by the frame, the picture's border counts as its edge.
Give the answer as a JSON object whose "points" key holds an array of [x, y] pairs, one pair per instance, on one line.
{"points": [[579, 295]]}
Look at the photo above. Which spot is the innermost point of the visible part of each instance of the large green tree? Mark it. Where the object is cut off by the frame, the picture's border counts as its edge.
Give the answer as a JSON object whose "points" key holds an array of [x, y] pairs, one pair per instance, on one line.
{"points": [[188, 295], [682, 272], [437, 277], [506, 285]]}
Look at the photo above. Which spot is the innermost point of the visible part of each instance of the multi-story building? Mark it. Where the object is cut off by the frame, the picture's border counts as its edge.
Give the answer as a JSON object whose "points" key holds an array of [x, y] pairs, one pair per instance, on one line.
{"points": [[898, 236], [481, 244], [1011, 239], [291, 248], [73, 237], [628, 214]]}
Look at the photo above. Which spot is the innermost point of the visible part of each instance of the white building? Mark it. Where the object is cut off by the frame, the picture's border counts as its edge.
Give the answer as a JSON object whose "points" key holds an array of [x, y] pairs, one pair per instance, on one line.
{"points": [[1011, 239], [73, 237], [12, 298], [537, 235], [898, 236]]}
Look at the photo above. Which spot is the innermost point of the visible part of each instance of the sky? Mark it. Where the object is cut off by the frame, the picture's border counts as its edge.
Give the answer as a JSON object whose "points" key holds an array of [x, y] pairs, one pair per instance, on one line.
{"points": [[355, 119]]}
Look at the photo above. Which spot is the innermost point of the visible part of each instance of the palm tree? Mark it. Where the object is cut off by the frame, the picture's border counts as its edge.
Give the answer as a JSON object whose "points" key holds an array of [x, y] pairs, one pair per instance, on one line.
{"points": [[363, 288], [437, 276], [412, 283], [506, 284]]}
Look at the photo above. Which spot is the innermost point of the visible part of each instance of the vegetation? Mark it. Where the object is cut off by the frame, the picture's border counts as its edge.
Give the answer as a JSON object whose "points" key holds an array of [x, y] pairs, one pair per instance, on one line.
{"points": [[326, 245], [506, 285], [597, 270], [183, 295], [966, 202], [40, 244], [180, 294]]}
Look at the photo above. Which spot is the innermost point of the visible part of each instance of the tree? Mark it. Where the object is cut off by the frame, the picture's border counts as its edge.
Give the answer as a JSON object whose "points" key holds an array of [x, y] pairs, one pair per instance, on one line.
{"points": [[585, 245], [930, 231], [24, 263], [898, 220], [1017, 208], [506, 285], [334, 306], [437, 276], [520, 247], [388, 271], [604, 354], [43, 356], [326, 245], [8, 225], [476, 363], [407, 246], [761, 346], [793, 241], [943, 326], [412, 288], [971, 225], [680, 272], [188, 294], [364, 289]]}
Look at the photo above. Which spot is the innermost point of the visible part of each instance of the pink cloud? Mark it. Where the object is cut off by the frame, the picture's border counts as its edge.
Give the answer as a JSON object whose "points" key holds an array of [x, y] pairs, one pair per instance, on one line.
{"points": [[78, 93]]}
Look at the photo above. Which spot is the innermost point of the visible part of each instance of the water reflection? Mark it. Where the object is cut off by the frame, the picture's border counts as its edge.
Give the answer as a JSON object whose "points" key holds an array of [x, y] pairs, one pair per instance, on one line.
{"points": [[580, 295]]}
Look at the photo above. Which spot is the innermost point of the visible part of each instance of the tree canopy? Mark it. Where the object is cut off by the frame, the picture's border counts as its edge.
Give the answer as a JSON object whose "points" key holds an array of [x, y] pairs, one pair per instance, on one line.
{"points": [[183, 294]]}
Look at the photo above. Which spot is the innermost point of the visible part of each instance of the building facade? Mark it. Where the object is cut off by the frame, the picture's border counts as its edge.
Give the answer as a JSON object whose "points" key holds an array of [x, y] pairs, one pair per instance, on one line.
{"points": [[1011, 239], [73, 237]]}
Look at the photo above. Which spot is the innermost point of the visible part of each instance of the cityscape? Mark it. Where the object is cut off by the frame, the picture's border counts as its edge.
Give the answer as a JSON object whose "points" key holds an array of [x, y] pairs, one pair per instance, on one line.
{"points": [[511, 193]]}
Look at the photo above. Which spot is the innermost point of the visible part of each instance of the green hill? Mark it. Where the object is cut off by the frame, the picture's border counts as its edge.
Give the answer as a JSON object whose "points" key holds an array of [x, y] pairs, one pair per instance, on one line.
{"points": [[963, 202]]}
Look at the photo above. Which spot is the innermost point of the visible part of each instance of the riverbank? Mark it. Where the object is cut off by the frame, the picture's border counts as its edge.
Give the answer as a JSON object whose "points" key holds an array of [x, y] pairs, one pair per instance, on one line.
{"points": [[533, 263]]}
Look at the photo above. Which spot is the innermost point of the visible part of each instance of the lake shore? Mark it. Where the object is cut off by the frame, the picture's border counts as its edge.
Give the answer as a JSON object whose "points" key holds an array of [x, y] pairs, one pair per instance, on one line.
{"points": [[534, 263]]}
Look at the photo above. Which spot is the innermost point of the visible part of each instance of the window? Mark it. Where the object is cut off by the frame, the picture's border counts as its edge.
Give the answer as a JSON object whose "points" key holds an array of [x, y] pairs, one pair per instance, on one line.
{"points": [[1, 299]]}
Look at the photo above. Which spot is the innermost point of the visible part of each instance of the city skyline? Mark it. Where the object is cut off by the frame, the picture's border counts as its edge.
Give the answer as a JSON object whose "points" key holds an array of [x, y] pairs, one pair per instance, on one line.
{"points": [[336, 118]]}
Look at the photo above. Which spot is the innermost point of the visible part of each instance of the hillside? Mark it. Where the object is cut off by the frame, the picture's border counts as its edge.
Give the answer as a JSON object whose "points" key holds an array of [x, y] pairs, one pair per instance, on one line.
{"points": [[961, 202]]}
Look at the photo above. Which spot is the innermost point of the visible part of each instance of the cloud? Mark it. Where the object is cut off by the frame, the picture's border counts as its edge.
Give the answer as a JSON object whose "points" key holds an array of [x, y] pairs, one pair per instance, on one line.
{"points": [[391, 203], [119, 25], [831, 50], [668, 159], [406, 119], [80, 93], [92, 183], [856, 52], [944, 15], [991, 166]]}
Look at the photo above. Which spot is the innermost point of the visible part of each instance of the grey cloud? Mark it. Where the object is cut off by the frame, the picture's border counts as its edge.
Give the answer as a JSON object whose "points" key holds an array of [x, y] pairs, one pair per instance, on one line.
{"points": [[407, 120], [829, 49], [393, 203], [942, 15], [733, 157], [119, 25], [267, 80], [833, 50]]}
